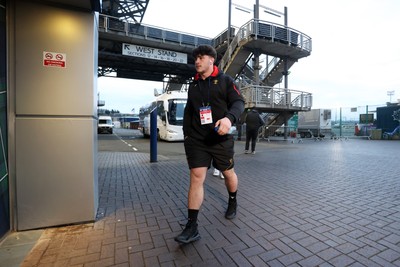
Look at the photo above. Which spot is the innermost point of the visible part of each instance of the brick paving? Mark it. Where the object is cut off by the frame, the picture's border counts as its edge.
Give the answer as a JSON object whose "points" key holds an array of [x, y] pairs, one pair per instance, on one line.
{"points": [[326, 203]]}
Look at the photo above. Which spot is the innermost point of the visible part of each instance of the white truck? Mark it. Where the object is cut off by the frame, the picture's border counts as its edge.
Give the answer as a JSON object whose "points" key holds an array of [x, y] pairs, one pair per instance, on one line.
{"points": [[314, 123], [105, 125]]}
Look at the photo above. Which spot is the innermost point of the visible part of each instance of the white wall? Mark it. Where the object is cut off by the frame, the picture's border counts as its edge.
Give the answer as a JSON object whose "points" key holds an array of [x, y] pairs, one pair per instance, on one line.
{"points": [[55, 117]]}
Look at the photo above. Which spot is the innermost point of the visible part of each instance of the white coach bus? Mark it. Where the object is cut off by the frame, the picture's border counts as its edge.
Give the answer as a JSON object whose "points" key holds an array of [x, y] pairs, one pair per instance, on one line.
{"points": [[170, 106]]}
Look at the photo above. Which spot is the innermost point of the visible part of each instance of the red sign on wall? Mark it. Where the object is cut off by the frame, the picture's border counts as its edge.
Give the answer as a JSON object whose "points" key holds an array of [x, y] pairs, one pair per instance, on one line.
{"points": [[53, 59]]}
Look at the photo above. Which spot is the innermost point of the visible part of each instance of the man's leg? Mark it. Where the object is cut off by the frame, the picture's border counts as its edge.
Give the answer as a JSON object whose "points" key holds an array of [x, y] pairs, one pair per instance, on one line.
{"points": [[196, 189], [248, 137], [253, 140], [195, 199], [231, 182]]}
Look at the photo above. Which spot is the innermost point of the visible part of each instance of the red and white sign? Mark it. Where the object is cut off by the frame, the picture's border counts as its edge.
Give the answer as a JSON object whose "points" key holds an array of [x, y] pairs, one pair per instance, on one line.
{"points": [[53, 59]]}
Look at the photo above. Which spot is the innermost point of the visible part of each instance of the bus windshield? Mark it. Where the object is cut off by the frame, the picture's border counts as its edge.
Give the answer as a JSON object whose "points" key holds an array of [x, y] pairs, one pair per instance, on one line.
{"points": [[176, 108]]}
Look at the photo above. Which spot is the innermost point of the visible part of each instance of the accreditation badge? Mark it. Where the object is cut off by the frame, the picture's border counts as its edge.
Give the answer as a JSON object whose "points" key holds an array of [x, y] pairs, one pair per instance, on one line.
{"points": [[205, 115]]}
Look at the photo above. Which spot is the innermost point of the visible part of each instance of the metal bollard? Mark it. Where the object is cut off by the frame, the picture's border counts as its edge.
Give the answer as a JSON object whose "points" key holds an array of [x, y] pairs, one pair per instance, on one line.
{"points": [[153, 135]]}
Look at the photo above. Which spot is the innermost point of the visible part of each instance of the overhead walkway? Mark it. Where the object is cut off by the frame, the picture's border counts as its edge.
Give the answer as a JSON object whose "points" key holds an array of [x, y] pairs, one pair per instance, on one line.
{"points": [[255, 36], [113, 33]]}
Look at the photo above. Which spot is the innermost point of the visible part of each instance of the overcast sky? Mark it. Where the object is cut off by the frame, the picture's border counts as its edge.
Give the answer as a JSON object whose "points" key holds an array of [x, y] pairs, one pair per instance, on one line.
{"points": [[355, 58]]}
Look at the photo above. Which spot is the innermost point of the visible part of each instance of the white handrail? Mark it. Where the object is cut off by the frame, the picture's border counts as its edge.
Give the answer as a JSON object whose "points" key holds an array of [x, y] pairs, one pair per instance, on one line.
{"points": [[270, 97]]}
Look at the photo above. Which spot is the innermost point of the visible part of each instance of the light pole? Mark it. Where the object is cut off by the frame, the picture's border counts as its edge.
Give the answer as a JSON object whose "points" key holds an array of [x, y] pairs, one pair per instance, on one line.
{"points": [[390, 93], [238, 7]]}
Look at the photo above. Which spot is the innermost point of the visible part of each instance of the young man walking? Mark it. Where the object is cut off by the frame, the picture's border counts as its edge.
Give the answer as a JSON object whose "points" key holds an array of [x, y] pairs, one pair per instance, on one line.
{"points": [[214, 104]]}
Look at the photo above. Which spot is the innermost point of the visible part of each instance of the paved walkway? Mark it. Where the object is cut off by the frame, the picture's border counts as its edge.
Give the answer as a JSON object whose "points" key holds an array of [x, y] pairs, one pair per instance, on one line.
{"points": [[326, 203]]}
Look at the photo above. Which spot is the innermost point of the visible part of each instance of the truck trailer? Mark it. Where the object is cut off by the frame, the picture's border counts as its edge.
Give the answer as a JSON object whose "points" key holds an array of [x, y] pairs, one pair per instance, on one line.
{"points": [[314, 123]]}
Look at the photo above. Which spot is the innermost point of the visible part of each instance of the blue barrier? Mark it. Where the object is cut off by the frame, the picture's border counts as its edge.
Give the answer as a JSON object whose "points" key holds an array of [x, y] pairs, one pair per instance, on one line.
{"points": [[153, 135]]}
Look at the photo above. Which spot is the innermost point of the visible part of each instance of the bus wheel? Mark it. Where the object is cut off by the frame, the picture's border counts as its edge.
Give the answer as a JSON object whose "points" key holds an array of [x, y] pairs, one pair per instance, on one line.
{"points": [[158, 135]]}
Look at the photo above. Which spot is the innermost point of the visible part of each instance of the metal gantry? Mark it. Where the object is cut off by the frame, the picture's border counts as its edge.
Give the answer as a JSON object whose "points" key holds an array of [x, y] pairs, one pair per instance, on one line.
{"points": [[127, 10]]}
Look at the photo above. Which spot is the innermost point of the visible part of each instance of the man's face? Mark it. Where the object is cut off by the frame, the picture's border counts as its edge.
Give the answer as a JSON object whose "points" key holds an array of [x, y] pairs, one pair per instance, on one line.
{"points": [[204, 63]]}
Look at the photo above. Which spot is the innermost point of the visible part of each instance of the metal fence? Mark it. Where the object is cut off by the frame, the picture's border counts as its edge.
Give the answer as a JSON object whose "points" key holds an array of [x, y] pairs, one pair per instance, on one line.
{"points": [[358, 121], [346, 123]]}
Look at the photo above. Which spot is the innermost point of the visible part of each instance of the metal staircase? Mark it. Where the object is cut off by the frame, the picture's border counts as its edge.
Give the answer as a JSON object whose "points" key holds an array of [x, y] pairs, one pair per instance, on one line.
{"points": [[272, 122], [250, 38], [283, 44], [275, 75]]}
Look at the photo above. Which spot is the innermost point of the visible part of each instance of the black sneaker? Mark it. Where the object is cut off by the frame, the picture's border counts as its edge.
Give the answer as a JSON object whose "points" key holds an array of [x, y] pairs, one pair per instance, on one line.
{"points": [[189, 234], [231, 211]]}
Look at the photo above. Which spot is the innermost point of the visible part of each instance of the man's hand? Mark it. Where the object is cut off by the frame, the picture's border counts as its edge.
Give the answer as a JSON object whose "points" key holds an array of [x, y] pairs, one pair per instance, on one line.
{"points": [[223, 125]]}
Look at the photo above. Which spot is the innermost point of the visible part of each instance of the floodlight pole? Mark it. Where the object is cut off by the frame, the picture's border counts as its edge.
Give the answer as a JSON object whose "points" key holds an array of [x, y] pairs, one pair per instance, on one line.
{"points": [[229, 22], [256, 59], [286, 81], [256, 10], [390, 93]]}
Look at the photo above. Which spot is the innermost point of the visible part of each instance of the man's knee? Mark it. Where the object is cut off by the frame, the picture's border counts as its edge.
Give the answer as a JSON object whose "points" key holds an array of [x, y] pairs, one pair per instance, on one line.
{"points": [[198, 173], [229, 174]]}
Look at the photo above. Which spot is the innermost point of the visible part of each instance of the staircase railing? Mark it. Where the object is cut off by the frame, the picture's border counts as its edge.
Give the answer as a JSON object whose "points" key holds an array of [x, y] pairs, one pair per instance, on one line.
{"points": [[270, 66], [270, 97]]}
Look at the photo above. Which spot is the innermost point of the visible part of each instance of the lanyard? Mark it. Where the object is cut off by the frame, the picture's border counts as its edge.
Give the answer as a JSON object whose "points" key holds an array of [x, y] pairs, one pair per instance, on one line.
{"points": [[201, 92]]}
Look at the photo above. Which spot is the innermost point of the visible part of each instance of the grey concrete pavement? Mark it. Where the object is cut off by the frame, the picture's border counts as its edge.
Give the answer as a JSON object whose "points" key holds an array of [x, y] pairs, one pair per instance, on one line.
{"points": [[325, 203]]}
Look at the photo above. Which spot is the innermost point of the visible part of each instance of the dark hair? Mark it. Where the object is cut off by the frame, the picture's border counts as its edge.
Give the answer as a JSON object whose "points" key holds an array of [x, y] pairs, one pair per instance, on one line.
{"points": [[204, 50]]}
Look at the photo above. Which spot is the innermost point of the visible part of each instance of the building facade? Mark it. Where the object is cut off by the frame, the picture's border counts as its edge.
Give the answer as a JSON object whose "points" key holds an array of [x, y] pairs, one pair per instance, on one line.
{"points": [[48, 113]]}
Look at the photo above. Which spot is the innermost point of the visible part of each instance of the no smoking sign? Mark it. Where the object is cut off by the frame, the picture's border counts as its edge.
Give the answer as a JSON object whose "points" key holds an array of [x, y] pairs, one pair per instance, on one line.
{"points": [[54, 59]]}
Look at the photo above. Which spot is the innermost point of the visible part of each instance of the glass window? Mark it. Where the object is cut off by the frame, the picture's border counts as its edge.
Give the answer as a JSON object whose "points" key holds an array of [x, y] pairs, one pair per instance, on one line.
{"points": [[4, 190]]}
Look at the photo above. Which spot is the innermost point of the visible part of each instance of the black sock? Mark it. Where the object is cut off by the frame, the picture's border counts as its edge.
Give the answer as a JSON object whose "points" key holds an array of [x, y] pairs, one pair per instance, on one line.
{"points": [[192, 215], [232, 196]]}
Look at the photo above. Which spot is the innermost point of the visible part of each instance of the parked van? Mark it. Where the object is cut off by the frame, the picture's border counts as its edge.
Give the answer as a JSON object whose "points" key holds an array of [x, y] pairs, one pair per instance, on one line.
{"points": [[105, 125]]}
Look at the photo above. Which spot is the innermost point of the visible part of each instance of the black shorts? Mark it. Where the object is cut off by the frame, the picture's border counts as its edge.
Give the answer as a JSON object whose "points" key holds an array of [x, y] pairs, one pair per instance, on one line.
{"points": [[199, 154]]}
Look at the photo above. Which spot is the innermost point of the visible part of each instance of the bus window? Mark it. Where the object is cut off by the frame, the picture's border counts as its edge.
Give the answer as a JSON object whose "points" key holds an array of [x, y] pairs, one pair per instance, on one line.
{"points": [[176, 109]]}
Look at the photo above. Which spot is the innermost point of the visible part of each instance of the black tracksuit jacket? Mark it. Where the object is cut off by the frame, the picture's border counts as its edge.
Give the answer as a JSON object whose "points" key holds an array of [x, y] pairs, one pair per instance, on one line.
{"points": [[220, 93]]}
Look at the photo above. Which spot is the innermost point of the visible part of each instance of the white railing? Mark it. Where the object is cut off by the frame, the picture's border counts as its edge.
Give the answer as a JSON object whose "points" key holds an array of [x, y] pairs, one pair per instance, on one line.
{"points": [[270, 97], [114, 24]]}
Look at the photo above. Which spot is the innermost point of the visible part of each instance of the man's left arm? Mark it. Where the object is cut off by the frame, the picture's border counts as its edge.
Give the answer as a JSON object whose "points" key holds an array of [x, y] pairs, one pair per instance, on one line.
{"points": [[223, 125], [235, 102], [236, 108]]}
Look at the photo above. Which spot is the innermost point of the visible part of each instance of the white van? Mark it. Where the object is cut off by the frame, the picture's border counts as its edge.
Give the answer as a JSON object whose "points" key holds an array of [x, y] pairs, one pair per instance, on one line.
{"points": [[105, 125]]}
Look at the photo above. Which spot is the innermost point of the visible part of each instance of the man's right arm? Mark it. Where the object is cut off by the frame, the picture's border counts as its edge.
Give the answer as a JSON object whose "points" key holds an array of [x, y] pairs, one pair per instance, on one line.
{"points": [[187, 118]]}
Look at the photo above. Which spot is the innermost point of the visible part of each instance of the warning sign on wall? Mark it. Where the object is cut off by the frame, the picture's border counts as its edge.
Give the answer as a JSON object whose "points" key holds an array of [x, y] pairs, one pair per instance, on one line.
{"points": [[53, 59]]}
